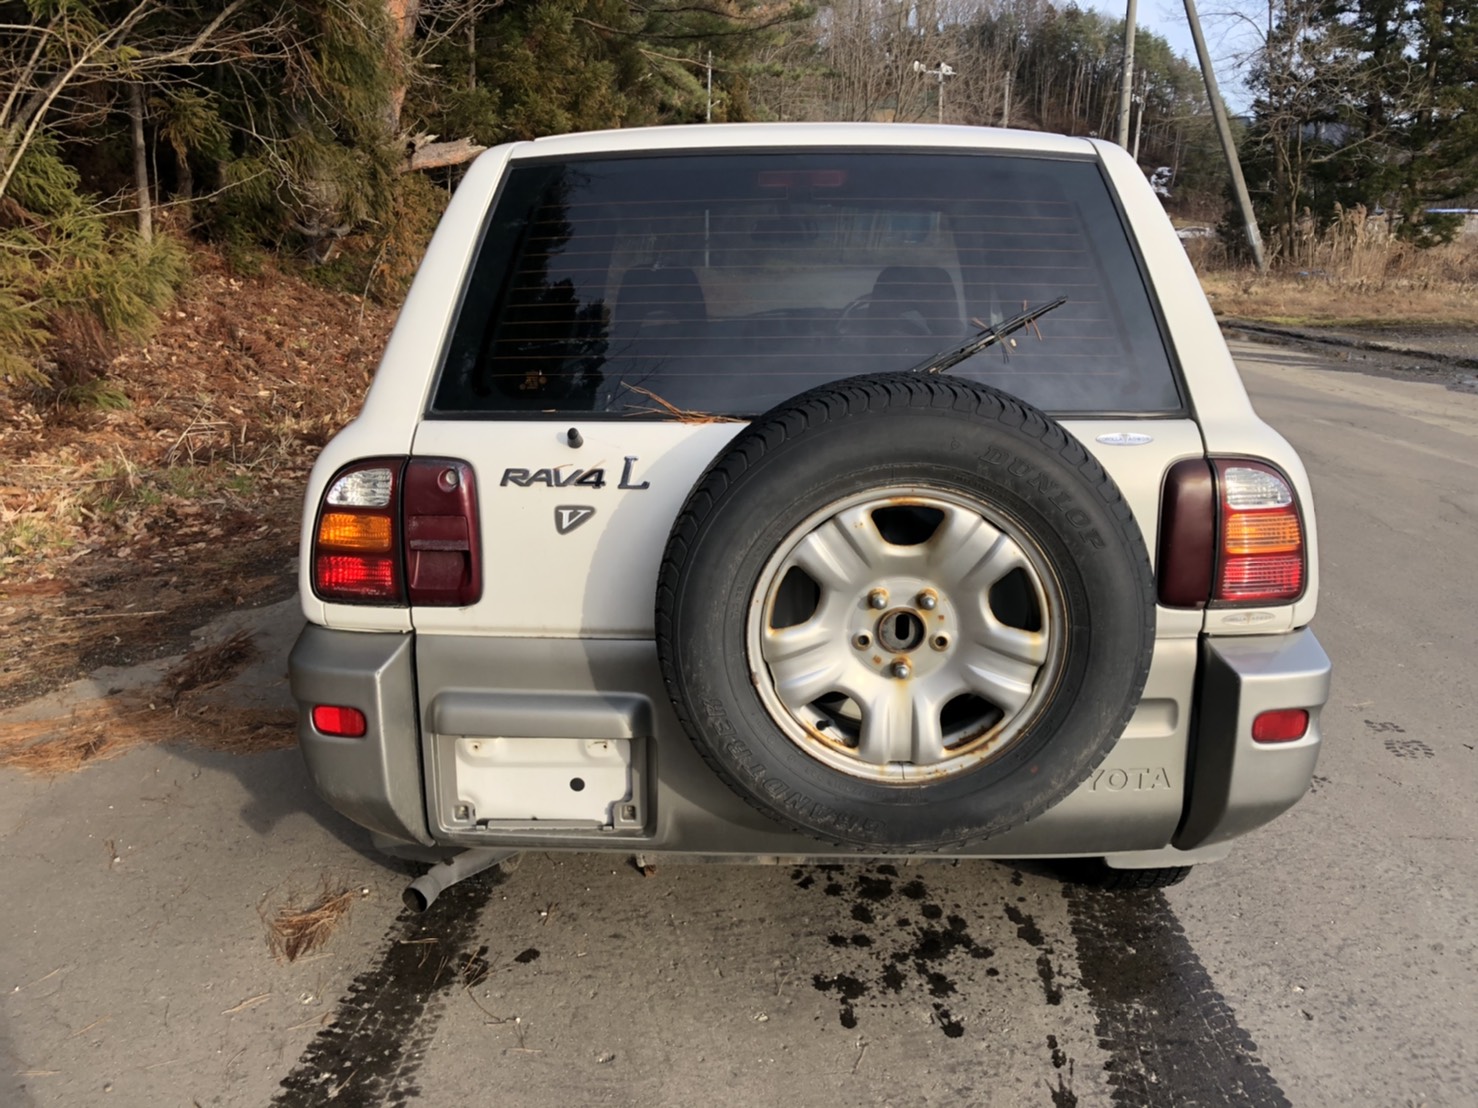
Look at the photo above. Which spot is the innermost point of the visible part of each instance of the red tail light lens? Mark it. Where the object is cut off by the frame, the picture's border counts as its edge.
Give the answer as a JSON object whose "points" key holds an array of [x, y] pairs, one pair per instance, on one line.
{"points": [[351, 577], [1285, 725], [1260, 555], [355, 548], [333, 719]]}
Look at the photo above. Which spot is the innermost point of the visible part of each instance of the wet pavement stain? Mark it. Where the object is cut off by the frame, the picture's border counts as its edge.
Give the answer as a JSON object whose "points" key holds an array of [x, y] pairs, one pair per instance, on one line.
{"points": [[1028, 931], [1026, 927], [914, 954], [369, 1055], [1062, 1093], [1171, 1037], [848, 988], [524, 957]]}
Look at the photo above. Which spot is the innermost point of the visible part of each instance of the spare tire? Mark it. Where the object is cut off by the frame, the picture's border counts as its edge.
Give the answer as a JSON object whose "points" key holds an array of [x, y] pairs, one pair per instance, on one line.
{"points": [[904, 612]]}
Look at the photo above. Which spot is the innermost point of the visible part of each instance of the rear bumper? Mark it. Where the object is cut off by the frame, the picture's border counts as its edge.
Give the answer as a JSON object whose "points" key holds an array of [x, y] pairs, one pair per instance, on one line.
{"points": [[375, 780], [1149, 804], [1237, 784]]}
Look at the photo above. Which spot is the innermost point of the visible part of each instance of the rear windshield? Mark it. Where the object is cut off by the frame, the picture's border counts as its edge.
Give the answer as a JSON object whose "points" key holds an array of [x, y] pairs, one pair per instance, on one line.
{"points": [[727, 283]]}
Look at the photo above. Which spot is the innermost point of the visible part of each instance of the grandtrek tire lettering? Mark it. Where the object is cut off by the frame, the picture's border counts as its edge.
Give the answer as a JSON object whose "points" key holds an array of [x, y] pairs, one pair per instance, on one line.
{"points": [[878, 439]]}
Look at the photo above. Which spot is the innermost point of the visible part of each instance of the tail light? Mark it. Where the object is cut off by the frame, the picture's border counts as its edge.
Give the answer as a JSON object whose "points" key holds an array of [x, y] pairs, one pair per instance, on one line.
{"points": [[396, 531], [356, 555], [1261, 552], [442, 560], [1230, 533]]}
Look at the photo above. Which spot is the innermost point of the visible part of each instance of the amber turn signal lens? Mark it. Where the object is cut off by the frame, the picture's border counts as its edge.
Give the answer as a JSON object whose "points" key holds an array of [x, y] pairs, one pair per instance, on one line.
{"points": [[351, 531], [1275, 532]]}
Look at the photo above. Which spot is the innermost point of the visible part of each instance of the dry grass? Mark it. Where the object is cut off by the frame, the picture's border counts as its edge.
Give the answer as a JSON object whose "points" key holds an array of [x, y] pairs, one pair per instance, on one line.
{"points": [[294, 931], [1352, 274], [210, 665], [176, 709]]}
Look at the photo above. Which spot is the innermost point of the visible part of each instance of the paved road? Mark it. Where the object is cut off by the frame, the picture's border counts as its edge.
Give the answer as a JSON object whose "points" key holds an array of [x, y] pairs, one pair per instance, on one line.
{"points": [[1329, 962]]}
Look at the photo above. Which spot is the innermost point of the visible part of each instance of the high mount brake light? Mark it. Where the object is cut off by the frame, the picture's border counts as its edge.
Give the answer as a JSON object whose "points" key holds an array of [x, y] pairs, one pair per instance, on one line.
{"points": [[1230, 534], [397, 530]]}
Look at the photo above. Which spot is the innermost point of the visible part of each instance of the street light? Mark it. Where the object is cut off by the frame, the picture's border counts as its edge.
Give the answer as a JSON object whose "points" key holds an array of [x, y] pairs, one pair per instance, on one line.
{"points": [[944, 70]]}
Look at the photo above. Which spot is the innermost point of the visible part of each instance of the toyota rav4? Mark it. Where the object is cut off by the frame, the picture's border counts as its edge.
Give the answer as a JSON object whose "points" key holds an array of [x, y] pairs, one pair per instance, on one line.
{"points": [[801, 490]]}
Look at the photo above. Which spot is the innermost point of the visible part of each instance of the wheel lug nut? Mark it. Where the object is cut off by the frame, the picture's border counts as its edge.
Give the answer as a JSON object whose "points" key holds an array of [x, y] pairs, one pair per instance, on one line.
{"points": [[878, 598], [927, 601], [901, 671], [862, 641]]}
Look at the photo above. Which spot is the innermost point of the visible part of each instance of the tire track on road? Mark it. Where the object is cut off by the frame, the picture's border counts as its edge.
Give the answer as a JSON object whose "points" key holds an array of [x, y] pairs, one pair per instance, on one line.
{"points": [[1172, 1039], [369, 1055]]}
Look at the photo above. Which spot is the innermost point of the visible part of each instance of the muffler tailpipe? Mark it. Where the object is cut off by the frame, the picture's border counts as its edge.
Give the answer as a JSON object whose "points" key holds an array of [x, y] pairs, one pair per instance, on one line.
{"points": [[426, 888]]}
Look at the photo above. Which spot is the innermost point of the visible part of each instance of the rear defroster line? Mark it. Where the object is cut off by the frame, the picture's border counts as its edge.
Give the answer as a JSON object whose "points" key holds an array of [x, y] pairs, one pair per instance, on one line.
{"points": [[368, 1056], [1171, 1038]]}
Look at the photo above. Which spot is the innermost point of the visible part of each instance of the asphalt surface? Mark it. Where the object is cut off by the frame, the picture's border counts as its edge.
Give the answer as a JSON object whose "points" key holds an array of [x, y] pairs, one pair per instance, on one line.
{"points": [[1329, 961]]}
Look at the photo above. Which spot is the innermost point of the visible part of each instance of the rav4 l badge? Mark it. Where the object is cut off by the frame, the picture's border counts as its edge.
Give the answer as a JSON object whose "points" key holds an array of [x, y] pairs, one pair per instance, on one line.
{"points": [[567, 518], [552, 477], [1125, 438]]}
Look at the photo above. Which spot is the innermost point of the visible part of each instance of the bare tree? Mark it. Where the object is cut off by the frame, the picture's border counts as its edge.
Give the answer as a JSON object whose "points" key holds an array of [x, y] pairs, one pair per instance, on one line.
{"points": [[42, 63]]}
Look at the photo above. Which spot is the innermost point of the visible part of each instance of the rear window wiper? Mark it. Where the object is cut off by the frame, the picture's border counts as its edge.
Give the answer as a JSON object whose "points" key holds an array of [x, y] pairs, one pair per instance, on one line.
{"points": [[987, 336]]}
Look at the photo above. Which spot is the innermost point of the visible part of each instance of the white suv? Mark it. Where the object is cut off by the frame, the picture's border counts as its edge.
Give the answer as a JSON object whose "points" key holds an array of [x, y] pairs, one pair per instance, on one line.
{"points": [[776, 491]]}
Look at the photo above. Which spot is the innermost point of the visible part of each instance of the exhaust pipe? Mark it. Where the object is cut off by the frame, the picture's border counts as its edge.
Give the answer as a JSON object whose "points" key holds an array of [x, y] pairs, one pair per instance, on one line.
{"points": [[426, 888]]}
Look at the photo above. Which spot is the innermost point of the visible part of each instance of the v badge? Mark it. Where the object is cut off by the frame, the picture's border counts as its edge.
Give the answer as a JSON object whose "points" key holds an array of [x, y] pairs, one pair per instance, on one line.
{"points": [[568, 517]]}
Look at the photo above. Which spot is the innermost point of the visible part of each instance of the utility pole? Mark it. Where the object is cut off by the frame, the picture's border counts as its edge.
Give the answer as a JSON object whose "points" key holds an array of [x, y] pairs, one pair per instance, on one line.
{"points": [[1139, 100], [709, 117], [1224, 132], [1126, 79]]}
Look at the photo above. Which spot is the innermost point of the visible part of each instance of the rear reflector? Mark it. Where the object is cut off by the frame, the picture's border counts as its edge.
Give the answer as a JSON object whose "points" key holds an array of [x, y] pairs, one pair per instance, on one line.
{"points": [[1282, 726], [346, 723]]}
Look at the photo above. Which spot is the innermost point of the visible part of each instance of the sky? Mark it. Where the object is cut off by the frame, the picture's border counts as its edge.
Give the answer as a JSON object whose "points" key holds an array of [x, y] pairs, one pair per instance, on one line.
{"points": [[1166, 18]]}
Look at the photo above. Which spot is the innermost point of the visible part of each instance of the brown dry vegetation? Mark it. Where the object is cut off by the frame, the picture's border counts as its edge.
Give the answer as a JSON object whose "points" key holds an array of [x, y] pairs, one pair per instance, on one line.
{"points": [[1356, 275], [179, 708], [174, 490], [294, 931]]}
